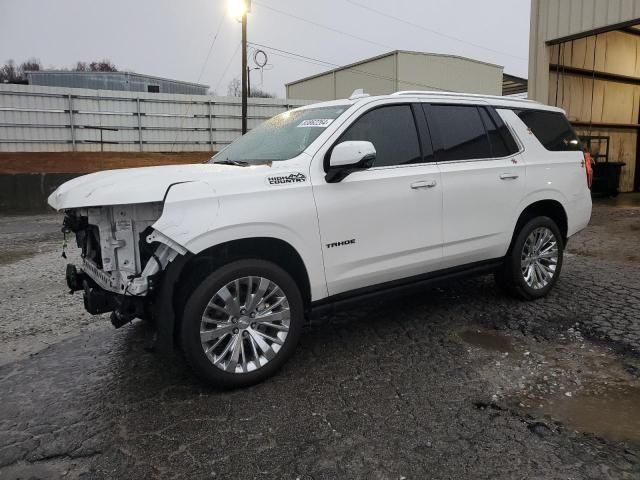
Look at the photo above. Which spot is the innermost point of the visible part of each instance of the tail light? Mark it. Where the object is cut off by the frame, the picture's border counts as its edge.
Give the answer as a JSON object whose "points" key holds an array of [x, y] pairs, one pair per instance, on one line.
{"points": [[589, 168]]}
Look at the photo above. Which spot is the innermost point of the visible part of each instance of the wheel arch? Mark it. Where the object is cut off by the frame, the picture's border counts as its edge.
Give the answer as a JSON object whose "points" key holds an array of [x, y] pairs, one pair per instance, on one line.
{"points": [[543, 208], [270, 249]]}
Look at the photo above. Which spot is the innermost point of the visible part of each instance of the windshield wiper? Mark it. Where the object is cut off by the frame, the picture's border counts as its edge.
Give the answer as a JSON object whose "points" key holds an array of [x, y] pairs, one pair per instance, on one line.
{"points": [[237, 163]]}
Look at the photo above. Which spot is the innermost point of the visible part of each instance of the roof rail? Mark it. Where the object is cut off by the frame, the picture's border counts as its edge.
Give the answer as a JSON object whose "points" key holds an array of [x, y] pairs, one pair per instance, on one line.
{"points": [[456, 94], [358, 93]]}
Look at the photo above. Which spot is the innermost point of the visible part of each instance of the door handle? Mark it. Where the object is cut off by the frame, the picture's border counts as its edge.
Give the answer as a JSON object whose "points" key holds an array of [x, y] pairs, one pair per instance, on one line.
{"points": [[424, 184], [508, 176]]}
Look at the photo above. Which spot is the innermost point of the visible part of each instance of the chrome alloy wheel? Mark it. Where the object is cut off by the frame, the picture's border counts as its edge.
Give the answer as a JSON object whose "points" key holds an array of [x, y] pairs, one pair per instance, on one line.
{"points": [[539, 259], [245, 324]]}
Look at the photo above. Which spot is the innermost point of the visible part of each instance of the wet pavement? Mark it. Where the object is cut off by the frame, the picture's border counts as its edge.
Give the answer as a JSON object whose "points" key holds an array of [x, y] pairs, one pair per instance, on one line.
{"points": [[459, 382], [610, 411]]}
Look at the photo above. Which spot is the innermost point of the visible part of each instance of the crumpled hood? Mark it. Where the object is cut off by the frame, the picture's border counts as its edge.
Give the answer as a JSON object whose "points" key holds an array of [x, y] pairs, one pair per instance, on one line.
{"points": [[146, 184]]}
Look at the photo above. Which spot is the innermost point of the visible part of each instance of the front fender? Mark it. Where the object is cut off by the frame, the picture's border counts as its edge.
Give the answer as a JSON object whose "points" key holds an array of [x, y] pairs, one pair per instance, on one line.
{"points": [[189, 210], [195, 217]]}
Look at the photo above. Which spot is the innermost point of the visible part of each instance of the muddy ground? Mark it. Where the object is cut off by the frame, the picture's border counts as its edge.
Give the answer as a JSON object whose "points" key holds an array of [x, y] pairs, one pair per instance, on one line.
{"points": [[459, 382]]}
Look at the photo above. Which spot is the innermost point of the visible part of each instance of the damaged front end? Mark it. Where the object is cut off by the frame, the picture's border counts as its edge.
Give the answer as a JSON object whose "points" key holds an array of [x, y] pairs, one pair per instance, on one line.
{"points": [[123, 259]]}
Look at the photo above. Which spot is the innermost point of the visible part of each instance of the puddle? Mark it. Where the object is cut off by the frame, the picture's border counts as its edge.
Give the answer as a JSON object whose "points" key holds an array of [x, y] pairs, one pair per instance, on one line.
{"points": [[609, 412], [487, 341]]}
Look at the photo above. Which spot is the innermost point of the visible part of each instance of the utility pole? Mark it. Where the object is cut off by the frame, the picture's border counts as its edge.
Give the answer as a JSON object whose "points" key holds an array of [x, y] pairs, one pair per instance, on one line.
{"points": [[245, 76], [240, 9]]}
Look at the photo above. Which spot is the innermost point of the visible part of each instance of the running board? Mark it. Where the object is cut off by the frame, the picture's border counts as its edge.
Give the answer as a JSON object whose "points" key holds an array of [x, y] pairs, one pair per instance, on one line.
{"points": [[346, 300]]}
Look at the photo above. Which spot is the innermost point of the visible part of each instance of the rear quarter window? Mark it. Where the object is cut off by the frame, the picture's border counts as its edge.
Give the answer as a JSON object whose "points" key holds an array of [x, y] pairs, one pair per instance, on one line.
{"points": [[552, 130]]}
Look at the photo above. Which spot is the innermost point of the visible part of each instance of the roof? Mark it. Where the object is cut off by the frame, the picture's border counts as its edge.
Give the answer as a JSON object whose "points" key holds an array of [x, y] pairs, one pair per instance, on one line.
{"points": [[438, 96], [512, 85], [129, 74], [388, 54]]}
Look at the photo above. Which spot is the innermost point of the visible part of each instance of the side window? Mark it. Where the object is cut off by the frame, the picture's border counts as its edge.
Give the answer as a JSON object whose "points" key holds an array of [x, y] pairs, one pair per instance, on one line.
{"points": [[502, 143], [393, 133], [461, 132], [552, 129]]}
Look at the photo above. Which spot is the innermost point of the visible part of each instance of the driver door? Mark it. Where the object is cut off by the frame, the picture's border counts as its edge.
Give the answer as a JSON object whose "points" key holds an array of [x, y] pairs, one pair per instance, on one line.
{"points": [[384, 223]]}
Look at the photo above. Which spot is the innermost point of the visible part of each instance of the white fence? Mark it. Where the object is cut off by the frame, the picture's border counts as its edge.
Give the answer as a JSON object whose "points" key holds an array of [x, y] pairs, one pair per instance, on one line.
{"points": [[51, 119]]}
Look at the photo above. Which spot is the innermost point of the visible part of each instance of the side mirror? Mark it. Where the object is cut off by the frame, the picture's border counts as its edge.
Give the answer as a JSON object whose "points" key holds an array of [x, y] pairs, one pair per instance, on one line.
{"points": [[348, 157]]}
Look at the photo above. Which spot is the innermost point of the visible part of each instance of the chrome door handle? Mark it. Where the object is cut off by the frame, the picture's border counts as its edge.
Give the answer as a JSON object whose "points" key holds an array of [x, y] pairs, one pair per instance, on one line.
{"points": [[424, 184], [508, 176]]}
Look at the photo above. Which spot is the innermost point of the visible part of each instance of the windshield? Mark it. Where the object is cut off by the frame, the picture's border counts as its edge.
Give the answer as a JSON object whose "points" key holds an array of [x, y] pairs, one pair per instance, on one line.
{"points": [[280, 138]]}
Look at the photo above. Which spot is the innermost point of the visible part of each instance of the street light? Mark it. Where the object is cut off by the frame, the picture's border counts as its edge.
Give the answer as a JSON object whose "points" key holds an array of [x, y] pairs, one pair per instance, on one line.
{"points": [[239, 9]]}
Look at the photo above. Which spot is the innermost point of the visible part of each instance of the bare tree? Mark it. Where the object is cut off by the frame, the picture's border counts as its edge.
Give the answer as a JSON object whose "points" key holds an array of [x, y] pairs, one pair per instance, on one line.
{"points": [[8, 72], [259, 93], [234, 89], [30, 65], [105, 65]]}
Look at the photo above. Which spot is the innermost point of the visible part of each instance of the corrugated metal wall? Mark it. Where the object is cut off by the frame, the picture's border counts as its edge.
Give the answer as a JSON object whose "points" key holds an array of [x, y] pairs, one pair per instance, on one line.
{"points": [[564, 18], [402, 70], [120, 81], [555, 19], [50, 119], [597, 106], [417, 71]]}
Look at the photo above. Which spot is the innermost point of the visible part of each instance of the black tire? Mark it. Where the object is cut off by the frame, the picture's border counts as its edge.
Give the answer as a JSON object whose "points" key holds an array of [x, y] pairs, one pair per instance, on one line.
{"points": [[195, 306], [510, 277]]}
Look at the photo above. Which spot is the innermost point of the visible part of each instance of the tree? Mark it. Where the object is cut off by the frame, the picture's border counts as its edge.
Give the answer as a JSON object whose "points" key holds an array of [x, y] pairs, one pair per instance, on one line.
{"points": [[234, 89], [8, 72], [30, 65], [259, 93], [105, 65]]}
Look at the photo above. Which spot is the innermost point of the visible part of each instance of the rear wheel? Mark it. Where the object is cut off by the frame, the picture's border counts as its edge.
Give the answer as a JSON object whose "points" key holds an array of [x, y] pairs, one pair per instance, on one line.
{"points": [[242, 323], [534, 262]]}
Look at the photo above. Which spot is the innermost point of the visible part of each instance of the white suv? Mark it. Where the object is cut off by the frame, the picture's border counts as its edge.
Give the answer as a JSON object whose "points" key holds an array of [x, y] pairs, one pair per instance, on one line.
{"points": [[322, 206]]}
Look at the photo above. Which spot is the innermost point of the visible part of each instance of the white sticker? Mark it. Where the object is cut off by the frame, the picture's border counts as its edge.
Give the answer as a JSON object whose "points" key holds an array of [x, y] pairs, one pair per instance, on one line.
{"points": [[316, 122]]}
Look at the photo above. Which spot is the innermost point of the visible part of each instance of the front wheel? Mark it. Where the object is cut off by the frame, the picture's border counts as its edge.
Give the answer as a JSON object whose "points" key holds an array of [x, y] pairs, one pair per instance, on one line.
{"points": [[242, 323], [533, 264]]}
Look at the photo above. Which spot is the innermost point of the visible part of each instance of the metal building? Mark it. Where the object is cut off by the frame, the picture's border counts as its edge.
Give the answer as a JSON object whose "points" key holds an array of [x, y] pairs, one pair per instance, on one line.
{"points": [[584, 56], [401, 70], [121, 81]]}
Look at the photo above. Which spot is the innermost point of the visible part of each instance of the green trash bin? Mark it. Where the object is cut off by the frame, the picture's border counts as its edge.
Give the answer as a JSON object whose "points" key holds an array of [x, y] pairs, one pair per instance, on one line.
{"points": [[606, 178]]}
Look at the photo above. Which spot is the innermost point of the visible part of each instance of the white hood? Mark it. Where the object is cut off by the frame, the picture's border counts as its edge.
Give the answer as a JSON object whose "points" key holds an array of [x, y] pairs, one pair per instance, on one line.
{"points": [[145, 185]]}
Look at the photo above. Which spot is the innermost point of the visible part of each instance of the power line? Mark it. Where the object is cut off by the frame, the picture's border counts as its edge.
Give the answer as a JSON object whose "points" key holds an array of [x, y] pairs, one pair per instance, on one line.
{"points": [[435, 32], [227, 68], [326, 27], [204, 66], [213, 42], [317, 61]]}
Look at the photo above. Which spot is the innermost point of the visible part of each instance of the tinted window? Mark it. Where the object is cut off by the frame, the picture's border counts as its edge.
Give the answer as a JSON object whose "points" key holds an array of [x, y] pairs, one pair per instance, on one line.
{"points": [[392, 132], [461, 132], [498, 135], [512, 145], [553, 130]]}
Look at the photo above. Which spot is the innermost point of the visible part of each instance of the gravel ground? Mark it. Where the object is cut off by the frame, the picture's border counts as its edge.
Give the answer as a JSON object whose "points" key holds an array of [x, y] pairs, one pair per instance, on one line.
{"points": [[36, 309], [459, 382]]}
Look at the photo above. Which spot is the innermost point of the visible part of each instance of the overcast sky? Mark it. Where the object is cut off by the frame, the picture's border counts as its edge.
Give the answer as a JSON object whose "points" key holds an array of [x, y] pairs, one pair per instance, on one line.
{"points": [[171, 38]]}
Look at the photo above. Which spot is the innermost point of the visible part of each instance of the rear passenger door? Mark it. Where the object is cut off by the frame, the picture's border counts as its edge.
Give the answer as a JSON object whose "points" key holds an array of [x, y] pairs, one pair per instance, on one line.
{"points": [[482, 180]]}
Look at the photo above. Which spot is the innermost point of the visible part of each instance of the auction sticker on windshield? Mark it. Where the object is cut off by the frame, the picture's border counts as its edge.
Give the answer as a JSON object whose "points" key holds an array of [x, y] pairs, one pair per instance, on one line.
{"points": [[316, 122]]}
